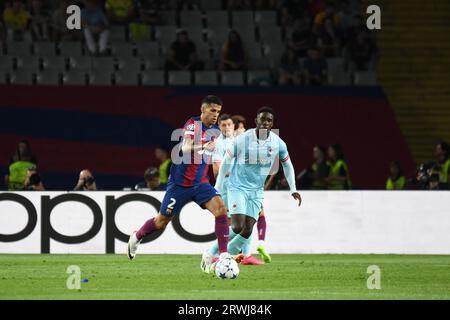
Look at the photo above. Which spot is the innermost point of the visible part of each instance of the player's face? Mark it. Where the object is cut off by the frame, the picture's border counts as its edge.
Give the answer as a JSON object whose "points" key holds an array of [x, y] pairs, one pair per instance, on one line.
{"points": [[264, 121], [210, 113], [227, 127]]}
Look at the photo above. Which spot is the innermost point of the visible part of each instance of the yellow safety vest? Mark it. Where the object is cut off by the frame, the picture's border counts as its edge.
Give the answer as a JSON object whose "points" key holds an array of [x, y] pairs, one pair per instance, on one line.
{"points": [[443, 174], [18, 174], [334, 172], [398, 184], [164, 171], [316, 183]]}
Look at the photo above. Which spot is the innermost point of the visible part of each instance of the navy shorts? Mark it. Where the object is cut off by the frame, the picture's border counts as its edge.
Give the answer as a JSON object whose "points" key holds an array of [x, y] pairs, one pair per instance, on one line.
{"points": [[177, 196]]}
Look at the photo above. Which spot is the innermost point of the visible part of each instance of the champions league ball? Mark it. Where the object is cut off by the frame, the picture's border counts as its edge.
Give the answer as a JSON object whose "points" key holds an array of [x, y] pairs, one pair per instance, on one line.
{"points": [[227, 269]]}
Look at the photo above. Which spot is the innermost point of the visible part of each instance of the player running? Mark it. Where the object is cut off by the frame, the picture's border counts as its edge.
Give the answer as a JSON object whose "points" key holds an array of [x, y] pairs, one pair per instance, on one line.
{"points": [[249, 162], [189, 181], [224, 142]]}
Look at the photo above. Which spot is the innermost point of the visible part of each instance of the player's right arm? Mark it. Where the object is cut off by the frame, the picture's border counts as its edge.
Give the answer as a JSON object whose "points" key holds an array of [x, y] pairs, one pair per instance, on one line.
{"points": [[189, 144]]}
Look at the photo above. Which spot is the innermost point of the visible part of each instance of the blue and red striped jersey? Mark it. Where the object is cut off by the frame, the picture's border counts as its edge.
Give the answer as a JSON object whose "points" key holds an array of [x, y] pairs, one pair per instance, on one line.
{"points": [[193, 169]]}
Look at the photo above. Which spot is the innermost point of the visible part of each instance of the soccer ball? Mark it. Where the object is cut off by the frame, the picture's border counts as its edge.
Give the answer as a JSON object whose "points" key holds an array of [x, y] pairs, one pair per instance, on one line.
{"points": [[227, 269]]}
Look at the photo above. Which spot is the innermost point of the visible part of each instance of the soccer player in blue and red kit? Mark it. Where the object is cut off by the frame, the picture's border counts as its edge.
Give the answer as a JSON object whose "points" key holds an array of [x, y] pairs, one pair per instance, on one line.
{"points": [[189, 180]]}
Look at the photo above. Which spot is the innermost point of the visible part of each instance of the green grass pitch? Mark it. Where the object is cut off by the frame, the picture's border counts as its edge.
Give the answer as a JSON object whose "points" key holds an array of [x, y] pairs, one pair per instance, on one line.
{"points": [[179, 277]]}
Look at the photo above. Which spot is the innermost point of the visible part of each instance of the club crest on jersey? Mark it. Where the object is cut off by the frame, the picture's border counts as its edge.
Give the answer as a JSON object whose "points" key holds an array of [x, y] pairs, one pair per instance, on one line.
{"points": [[190, 127], [169, 211], [234, 205]]}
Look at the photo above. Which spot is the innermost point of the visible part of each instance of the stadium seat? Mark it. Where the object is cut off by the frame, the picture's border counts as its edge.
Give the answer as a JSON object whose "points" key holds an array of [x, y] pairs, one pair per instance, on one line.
{"points": [[366, 78], [75, 77], [335, 64], [339, 79], [168, 17], [242, 19], [261, 63], [232, 78], [266, 17], [259, 78], [23, 76], [126, 77], [271, 35], [217, 18], [179, 78], [29, 62], [166, 35], [206, 78], [4, 74], [79, 62], [130, 64], [123, 49], [153, 78], [70, 49], [253, 49], [191, 19], [100, 77], [104, 63], [50, 77], [218, 34], [19, 49], [117, 34], [211, 4], [7, 63], [148, 49], [154, 63], [45, 49], [195, 34], [55, 63]]}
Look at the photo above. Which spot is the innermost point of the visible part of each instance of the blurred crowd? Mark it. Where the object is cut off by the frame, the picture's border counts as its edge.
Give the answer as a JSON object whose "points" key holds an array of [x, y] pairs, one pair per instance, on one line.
{"points": [[312, 32]]}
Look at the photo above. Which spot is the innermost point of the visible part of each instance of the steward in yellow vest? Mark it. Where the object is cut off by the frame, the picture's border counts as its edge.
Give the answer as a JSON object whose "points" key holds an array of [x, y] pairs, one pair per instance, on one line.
{"points": [[339, 178]]}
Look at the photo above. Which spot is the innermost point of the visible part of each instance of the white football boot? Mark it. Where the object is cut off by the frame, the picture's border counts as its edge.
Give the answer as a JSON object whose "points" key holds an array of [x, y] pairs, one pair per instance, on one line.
{"points": [[133, 244]]}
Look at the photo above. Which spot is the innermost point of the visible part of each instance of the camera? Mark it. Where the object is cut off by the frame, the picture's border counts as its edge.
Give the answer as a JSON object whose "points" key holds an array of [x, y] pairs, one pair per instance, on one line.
{"points": [[35, 179], [428, 175], [89, 181]]}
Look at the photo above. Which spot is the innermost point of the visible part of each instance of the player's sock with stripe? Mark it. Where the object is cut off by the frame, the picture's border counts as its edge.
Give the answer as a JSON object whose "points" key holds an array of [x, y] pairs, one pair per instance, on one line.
{"points": [[215, 248], [246, 249], [261, 228], [146, 229], [222, 232], [235, 245]]}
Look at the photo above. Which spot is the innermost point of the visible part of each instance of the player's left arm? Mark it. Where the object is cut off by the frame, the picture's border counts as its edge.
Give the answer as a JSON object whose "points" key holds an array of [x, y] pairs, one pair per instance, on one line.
{"points": [[289, 171]]}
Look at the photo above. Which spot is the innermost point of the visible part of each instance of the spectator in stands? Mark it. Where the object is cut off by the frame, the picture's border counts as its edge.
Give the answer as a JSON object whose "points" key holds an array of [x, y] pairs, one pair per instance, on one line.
{"points": [[339, 178], [163, 156], [239, 124], [33, 180], [315, 68], [328, 13], [292, 10], [39, 20], [328, 39], [233, 55], [151, 180], [289, 70], [95, 25], [183, 54], [396, 180], [363, 51], [443, 161], [86, 181], [22, 159], [119, 11], [301, 38], [266, 4], [58, 22], [16, 19], [148, 11]]}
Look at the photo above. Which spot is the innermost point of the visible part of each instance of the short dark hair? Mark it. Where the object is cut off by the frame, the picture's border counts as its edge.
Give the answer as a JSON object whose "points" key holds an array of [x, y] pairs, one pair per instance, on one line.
{"points": [[210, 99], [445, 147], [338, 150], [224, 116], [265, 109]]}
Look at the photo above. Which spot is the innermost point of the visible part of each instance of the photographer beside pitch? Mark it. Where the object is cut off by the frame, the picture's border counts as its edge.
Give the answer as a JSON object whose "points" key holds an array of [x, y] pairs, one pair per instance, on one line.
{"points": [[86, 182]]}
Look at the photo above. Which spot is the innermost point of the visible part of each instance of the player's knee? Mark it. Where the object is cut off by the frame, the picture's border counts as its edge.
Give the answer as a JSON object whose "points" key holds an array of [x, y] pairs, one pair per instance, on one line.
{"points": [[246, 232]]}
